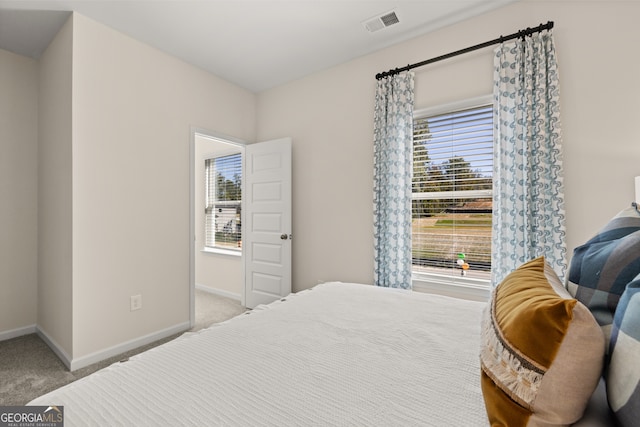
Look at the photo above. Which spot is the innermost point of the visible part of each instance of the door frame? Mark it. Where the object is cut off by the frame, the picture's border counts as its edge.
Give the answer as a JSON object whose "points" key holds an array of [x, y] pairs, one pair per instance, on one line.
{"points": [[192, 201]]}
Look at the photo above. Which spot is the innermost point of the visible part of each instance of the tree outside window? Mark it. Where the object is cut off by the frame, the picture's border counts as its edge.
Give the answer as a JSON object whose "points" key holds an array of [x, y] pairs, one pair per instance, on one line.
{"points": [[452, 193]]}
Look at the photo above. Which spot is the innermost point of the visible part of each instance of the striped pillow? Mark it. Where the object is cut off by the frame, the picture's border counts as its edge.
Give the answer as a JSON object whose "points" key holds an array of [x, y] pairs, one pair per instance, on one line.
{"points": [[541, 353], [623, 373], [601, 268]]}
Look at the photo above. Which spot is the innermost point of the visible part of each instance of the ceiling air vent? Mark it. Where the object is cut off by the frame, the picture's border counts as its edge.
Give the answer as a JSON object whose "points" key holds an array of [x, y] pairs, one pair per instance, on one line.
{"points": [[381, 21]]}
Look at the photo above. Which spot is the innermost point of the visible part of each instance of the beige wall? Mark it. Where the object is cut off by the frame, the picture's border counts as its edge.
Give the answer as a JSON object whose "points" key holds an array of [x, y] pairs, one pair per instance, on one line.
{"points": [[330, 117], [133, 110], [113, 174], [18, 185], [55, 283], [112, 193]]}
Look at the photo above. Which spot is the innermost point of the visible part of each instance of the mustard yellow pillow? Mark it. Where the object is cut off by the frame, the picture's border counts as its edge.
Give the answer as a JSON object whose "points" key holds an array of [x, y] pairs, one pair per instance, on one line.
{"points": [[542, 351]]}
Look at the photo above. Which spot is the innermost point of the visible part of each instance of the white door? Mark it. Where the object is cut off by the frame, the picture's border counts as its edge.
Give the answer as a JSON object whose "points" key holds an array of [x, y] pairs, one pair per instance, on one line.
{"points": [[267, 222]]}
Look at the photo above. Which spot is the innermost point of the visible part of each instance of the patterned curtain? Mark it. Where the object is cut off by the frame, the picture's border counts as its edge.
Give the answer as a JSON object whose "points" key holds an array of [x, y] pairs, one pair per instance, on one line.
{"points": [[392, 169], [528, 205]]}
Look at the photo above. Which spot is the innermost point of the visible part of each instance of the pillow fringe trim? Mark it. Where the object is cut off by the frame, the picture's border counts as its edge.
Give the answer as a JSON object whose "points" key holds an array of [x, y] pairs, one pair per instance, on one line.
{"points": [[518, 378]]}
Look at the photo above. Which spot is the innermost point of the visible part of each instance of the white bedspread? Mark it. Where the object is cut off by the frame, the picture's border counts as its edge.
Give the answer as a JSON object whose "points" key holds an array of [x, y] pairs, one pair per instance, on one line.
{"points": [[336, 355]]}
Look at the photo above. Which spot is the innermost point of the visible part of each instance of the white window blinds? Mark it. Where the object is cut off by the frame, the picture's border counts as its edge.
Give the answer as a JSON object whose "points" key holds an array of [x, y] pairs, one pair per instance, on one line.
{"points": [[452, 193], [223, 196]]}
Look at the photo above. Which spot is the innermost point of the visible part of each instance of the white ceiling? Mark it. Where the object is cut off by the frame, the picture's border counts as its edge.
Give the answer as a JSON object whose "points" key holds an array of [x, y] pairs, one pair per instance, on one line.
{"points": [[256, 44]]}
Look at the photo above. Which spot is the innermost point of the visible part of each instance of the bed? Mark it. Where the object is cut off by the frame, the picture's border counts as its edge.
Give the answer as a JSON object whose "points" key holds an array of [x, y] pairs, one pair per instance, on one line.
{"points": [[339, 354]]}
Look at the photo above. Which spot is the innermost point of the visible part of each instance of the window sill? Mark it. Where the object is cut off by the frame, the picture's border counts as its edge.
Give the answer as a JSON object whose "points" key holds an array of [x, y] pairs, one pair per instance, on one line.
{"points": [[457, 287], [218, 251]]}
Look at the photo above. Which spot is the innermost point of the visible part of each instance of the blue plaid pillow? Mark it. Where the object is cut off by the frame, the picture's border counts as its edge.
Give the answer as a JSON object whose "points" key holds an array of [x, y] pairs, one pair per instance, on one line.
{"points": [[623, 372], [601, 268]]}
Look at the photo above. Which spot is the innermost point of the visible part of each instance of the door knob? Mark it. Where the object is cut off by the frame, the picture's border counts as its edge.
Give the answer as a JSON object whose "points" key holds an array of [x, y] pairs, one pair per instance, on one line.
{"points": [[284, 236]]}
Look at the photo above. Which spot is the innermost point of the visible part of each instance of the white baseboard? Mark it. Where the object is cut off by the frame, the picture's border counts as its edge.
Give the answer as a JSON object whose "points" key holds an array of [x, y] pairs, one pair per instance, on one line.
{"points": [[81, 362], [220, 292], [98, 356], [53, 345], [18, 332]]}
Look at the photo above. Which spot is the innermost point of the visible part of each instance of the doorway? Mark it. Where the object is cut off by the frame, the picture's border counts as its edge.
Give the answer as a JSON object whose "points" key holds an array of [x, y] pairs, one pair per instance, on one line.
{"points": [[262, 252], [217, 262]]}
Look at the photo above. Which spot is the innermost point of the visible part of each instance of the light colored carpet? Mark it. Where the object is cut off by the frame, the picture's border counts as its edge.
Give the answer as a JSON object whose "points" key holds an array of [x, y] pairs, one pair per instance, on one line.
{"points": [[212, 308], [28, 367]]}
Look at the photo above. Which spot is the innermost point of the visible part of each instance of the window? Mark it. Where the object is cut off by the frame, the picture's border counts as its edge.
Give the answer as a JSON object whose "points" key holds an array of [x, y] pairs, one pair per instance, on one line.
{"points": [[223, 198], [452, 196]]}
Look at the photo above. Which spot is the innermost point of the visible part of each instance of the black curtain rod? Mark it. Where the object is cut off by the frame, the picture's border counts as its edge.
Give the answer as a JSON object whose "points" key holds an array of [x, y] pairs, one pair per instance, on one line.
{"points": [[501, 39]]}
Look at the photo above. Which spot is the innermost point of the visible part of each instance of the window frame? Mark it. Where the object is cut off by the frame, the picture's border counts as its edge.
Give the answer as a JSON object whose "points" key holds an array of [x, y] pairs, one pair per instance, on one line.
{"points": [[236, 150], [462, 287]]}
